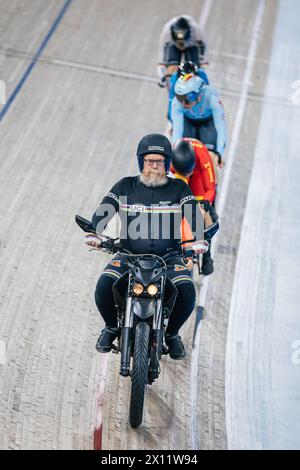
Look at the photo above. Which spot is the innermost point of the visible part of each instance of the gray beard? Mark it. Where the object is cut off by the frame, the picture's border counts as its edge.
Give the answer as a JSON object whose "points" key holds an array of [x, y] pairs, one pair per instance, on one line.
{"points": [[153, 181]]}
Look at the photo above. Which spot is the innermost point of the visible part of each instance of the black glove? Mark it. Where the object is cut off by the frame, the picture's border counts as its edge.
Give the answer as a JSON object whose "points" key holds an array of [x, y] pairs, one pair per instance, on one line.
{"points": [[219, 157], [162, 83]]}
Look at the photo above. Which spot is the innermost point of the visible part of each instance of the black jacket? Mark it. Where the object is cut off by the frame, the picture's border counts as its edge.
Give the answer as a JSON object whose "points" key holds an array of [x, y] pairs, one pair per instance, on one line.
{"points": [[150, 217]]}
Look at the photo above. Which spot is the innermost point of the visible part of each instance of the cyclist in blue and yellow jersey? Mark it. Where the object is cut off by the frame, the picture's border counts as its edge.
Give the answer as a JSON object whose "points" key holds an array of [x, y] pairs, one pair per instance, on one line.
{"points": [[197, 112]]}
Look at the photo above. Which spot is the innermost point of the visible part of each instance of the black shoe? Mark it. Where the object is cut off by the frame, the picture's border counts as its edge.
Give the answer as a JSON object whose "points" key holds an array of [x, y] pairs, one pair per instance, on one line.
{"points": [[106, 339], [207, 264], [176, 348]]}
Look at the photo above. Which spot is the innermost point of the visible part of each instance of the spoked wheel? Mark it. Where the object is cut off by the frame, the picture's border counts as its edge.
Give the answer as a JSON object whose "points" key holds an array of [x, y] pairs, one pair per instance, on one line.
{"points": [[139, 374]]}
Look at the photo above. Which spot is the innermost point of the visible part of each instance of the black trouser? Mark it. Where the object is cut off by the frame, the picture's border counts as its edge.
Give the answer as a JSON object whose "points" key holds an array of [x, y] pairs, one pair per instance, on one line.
{"points": [[203, 130], [183, 307], [174, 56]]}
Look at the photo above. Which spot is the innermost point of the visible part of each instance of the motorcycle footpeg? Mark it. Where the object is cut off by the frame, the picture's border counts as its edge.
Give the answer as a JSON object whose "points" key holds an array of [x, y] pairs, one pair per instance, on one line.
{"points": [[165, 350]]}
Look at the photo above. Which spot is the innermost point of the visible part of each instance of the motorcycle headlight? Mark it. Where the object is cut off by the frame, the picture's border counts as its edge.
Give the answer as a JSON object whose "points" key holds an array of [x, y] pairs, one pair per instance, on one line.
{"points": [[152, 290], [138, 289]]}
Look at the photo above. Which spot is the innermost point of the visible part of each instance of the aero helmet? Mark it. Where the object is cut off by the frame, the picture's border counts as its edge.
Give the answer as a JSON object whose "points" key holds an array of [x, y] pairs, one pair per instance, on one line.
{"points": [[181, 30], [184, 160]]}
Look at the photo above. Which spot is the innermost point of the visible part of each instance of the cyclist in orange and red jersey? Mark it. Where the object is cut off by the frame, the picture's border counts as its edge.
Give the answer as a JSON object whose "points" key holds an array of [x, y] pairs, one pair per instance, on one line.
{"points": [[193, 164]]}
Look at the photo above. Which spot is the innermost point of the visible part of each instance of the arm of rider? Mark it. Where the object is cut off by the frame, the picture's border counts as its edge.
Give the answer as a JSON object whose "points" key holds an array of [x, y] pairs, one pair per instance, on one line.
{"points": [[208, 176], [221, 163], [164, 39], [161, 73], [177, 118], [190, 210], [220, 124], [205, 207]]}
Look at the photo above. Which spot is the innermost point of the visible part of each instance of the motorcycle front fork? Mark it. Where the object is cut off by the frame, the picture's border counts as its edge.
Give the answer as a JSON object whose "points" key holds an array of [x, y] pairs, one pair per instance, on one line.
{"points": [[126, 339], [156, 340]]}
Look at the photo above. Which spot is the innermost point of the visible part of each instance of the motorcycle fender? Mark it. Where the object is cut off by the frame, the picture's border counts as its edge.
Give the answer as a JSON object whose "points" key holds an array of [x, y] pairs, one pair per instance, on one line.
{"points": [[143, 308]]}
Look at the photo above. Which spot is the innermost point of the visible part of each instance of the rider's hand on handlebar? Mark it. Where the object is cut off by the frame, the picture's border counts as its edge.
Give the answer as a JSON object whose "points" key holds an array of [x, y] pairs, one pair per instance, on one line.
{"points": [[220, 161], [200, 247], [93, 241], [162, 82]]}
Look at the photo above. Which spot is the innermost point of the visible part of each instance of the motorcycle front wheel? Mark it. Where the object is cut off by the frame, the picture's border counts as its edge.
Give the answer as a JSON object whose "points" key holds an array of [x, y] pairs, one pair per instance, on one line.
{"points": [[139, 374]]}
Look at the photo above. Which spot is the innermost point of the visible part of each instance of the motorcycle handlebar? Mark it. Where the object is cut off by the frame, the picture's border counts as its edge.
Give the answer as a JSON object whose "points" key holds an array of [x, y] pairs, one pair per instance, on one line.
{"points": [[112, 247]]}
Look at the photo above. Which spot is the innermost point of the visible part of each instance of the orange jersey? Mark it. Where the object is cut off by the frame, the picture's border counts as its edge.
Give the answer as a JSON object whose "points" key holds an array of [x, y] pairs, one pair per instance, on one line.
{"points": [[202, 182]]}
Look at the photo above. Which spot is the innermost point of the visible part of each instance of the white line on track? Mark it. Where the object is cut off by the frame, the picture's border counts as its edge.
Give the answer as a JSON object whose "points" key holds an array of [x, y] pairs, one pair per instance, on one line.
{"points": [[205, 13], [222, 201], [79, 65], [100, 390]]}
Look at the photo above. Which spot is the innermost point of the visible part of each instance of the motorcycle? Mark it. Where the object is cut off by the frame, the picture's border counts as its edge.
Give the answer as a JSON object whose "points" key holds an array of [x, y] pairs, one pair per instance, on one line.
{"points": [[144, 297]]}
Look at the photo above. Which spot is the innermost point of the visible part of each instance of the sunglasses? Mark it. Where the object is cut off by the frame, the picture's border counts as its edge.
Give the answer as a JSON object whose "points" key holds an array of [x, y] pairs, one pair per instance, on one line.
{"points": [[187, 99], [152, 162]]}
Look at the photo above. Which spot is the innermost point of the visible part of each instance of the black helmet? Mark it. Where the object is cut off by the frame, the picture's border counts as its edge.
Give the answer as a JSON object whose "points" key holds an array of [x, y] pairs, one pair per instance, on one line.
{"points": [[155, 143], [187, 68], [181, 30], [184, 160]]}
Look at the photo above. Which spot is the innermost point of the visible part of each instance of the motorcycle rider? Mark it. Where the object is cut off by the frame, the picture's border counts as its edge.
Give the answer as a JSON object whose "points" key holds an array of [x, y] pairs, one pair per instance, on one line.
{"points": [[192, 163], [180, 35], [197, 112], [150, 206]]}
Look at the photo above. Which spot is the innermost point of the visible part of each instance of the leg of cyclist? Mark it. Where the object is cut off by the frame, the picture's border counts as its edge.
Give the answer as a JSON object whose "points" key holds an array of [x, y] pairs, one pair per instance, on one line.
{"points": [[172, 59]]}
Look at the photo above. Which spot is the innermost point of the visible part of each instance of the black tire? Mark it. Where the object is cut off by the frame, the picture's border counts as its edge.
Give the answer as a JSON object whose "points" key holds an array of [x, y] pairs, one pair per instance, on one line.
{"points": [[139, 375]]}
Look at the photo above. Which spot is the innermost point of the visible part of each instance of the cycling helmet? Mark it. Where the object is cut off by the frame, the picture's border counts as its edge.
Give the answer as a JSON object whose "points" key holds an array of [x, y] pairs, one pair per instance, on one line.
{"points": [[181, 30], [188, 87], [187, 68], [184, 159], [154, 143]]}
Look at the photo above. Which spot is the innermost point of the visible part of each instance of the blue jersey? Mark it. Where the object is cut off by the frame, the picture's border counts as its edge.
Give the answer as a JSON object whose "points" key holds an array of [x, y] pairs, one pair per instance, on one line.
{"points": [[172, 82], [209, 106]]}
